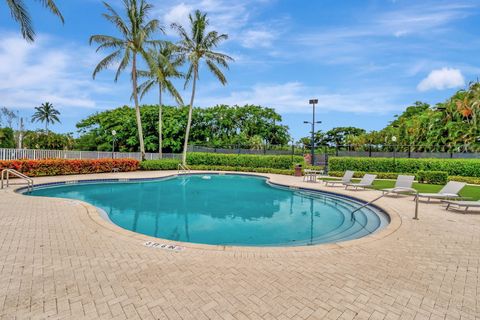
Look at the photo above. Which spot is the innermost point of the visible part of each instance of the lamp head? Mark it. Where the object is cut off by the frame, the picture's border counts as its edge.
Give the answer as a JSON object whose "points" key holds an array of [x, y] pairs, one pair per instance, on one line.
{"points": [[313, 101]]}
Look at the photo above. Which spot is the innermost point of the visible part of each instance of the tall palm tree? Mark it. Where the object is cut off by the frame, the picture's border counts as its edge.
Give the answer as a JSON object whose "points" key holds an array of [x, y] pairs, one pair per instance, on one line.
{"points": [[47, 113], [196, 47], [21, 15], [163, 65], [136, 33]]}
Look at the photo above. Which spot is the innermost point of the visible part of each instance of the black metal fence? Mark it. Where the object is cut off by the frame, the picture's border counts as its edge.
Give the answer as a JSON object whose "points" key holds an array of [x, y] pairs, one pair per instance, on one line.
{"points": [[374, 151], [408, 151]]}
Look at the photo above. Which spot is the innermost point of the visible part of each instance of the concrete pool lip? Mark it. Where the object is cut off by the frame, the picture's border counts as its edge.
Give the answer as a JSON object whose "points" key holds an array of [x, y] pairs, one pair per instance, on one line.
{"points": [[95, 213]]}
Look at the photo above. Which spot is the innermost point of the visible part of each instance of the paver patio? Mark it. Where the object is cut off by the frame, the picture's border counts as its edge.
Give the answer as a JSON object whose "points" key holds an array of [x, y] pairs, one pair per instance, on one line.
{"points": [[60, 260]]}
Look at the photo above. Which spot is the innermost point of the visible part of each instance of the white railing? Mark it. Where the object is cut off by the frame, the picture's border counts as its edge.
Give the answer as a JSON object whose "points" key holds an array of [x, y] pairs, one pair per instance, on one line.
{"points": [[35, 154], [183, 169], [6, 178]]}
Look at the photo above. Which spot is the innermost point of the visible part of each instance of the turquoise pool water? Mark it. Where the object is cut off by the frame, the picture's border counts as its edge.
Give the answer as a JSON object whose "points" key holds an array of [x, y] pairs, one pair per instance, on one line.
{"points": [[225, 210]]}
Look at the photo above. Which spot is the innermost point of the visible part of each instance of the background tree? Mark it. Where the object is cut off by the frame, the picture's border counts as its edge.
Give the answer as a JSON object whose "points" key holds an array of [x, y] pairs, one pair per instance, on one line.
{"points": [[52, 141], [338, 136], [7, 139], [136, 33], [47, 114], [8, 116], [163, 65], [217, 126], [21, 15], [196, 47]]}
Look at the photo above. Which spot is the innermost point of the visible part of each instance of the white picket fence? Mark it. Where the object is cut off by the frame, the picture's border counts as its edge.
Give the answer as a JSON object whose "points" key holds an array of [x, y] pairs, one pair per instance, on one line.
{"points": [[34, 154]]}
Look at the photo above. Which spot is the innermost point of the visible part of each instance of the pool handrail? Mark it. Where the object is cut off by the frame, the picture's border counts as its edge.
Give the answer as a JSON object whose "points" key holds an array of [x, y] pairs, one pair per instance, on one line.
{"points": [[5, 180], [394, 190], [183, 169]]}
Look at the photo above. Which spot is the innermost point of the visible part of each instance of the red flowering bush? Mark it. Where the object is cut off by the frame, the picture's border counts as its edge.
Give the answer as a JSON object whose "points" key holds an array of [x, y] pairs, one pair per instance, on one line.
{"points": [[54, 167]]}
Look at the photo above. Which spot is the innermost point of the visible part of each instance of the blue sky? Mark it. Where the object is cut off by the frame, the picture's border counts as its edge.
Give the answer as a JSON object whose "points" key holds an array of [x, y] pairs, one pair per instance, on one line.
{"points": [[364, 60]]}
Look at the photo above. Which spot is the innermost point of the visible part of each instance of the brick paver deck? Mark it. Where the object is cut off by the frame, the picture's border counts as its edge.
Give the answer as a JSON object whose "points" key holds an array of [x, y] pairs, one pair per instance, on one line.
{"points": [[60, 260]]}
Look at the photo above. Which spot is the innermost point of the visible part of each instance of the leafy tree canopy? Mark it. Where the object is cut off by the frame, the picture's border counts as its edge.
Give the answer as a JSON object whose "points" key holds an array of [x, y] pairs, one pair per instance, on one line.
{"points": [[248, 126], [7, 139]]}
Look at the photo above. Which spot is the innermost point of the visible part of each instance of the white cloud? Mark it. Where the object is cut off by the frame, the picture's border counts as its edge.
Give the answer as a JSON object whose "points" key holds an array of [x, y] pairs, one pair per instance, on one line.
{"points": [[34, 73], [31, 74], [232, 18], [292, 97], [421, 18], [258, 38], [440, 79], [394, 32], [178, 14]]}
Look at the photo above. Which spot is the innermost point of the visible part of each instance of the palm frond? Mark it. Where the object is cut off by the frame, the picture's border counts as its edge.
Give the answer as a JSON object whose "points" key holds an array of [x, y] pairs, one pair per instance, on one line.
{"points": [[168, 85], [115, 18], [20, 14], [123, 64], [145, 87], [189, 75], [50, 4], [216, 72], [106, 62]]}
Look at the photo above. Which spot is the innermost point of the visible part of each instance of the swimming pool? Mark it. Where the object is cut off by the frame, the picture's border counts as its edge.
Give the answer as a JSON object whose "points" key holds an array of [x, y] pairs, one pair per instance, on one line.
{"points": [[225, 210]]}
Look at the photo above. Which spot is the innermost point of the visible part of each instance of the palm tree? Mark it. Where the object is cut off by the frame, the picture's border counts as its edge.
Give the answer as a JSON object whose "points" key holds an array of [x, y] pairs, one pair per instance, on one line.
{"points": [[46, 113], [136, 33], [196, 47], [163, 64], [20, 14]]}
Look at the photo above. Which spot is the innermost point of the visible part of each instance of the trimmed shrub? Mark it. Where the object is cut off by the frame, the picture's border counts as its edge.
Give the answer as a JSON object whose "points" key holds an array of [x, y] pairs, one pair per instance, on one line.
{"points": [[243, 160], [470, 180], [360, 174], [54, 167], [432, 177], [163, 164], [454, 167], [243, 169]]}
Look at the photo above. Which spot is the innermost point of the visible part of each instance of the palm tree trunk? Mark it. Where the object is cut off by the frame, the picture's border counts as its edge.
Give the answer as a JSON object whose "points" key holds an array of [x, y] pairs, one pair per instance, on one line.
{"points": [[189, 122], [137, 107], [160, 142]]}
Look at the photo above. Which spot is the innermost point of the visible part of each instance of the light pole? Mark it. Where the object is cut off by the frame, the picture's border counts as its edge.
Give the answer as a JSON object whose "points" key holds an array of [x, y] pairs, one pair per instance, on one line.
{"points": [[394, 140], [114, 133], [313, 102]]}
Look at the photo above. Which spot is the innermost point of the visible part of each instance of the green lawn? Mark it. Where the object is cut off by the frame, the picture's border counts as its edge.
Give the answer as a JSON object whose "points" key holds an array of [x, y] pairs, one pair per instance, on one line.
{"points": [[472, 192]]}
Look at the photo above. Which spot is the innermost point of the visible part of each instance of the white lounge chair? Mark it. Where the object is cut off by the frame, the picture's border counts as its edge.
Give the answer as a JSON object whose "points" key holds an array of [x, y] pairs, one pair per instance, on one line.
{"points": [[402, 182], [449, 191], [461, 204], [366, 182], [347, 178]]}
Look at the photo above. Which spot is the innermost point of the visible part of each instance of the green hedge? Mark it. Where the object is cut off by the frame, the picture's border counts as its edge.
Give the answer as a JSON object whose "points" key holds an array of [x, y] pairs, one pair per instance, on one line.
{"points": [[360, 174], [228, 162], [470, 180], [243, 169], [432, 177], [454, 167], [243, 160], [164, 164], [172, 164]]}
